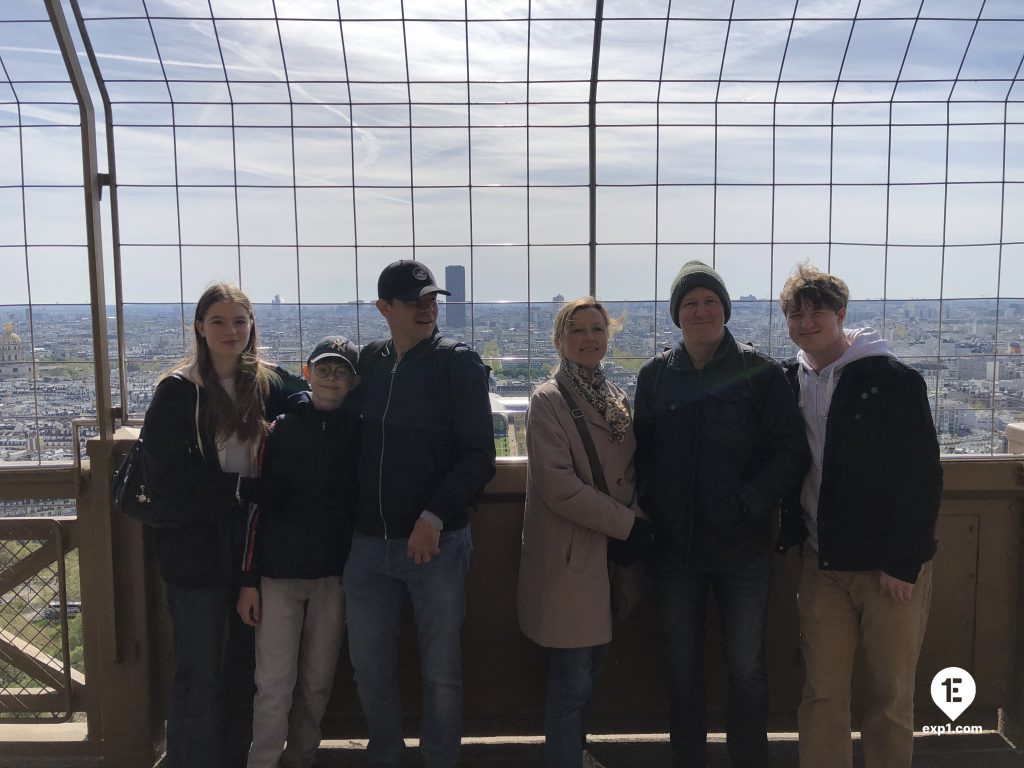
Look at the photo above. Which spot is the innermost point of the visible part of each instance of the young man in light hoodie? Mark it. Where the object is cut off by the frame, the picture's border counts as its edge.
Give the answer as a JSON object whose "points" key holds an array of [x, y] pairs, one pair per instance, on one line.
{"points": [[865, 515]]}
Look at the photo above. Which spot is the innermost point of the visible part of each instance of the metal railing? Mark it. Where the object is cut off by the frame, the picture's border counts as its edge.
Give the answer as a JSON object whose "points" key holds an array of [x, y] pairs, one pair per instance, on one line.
{"points": [[37, 678]]}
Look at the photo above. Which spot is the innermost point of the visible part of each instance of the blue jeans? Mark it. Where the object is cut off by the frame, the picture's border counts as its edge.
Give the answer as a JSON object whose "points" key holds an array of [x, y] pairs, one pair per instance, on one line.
{"points": [[378, 576], [209, 716], [742, 599], [572, 673]]}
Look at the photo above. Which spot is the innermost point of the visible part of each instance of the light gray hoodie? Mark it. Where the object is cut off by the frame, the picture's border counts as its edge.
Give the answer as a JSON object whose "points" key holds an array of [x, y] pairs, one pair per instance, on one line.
{"points": [[815, 399]]}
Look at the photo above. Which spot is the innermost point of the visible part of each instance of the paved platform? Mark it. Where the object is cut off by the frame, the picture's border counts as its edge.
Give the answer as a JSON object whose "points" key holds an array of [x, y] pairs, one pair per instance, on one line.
{"points": [[987, 750]]}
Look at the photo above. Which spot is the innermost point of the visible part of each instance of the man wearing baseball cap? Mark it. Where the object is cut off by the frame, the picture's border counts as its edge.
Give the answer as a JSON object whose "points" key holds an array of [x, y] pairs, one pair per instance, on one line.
{"points": [[719, 440], [427, 452]]}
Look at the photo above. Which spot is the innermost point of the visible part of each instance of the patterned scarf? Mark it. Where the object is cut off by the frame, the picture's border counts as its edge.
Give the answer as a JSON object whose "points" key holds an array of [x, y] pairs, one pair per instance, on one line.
{"points": [[593, 387]]}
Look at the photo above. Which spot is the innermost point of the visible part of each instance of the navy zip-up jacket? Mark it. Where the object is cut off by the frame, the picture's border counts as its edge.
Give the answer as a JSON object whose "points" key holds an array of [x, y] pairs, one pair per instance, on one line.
{"points": [[427, 436]]}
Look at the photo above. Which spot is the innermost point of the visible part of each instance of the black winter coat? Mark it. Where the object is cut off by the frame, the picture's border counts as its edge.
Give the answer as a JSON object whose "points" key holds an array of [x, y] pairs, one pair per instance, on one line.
{"points": [[206, 545], [308, 534], [427, 437], [717, 448], [881, 482]]}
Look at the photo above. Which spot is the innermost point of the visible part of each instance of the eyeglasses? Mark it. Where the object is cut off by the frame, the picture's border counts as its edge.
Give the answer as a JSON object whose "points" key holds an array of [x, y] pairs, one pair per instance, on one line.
{"points": [[338, 372]]}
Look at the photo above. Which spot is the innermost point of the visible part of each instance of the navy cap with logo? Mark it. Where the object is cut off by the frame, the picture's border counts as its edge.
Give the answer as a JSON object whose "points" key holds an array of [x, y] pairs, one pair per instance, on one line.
{"points": [[407, 280], [334, 348]]}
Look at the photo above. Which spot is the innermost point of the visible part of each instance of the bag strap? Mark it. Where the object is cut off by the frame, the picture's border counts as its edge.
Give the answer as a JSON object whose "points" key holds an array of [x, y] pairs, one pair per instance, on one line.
{"points": [[661, 363], [588, 442]]}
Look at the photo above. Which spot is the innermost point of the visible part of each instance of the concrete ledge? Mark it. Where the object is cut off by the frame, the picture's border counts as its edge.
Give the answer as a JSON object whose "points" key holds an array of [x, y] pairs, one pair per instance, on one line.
{"points": [[50, 733], [26, 744], [1015, 437]]}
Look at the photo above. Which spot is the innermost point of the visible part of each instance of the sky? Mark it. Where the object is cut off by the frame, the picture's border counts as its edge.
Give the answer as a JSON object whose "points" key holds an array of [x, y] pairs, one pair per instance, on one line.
{"points": [[299, 146]]}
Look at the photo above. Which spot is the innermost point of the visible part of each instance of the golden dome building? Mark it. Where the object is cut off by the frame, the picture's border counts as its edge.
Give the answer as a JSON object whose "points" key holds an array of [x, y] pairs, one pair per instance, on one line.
{"points": [[13, 360]]}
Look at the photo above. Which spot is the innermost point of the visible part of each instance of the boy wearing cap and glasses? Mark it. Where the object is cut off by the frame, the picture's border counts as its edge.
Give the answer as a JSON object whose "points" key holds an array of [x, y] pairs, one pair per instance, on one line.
{"points": [[427, 451], [295, 551]]}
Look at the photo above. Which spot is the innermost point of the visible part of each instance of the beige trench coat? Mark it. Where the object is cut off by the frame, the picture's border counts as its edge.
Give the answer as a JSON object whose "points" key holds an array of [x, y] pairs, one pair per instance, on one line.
{"points": [[563, 597]]}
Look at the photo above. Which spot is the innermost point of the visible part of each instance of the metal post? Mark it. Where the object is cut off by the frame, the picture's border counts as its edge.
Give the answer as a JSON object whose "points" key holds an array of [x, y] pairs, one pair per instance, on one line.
{"points": [[592, 132], [94, 241], [110, 180], [122, 725]]}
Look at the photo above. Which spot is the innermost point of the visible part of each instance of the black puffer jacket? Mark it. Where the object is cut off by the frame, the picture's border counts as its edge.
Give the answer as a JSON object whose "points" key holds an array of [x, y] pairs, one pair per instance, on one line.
{"points": [[206, 545], [717, 448], [427, 437], [306, 536]]}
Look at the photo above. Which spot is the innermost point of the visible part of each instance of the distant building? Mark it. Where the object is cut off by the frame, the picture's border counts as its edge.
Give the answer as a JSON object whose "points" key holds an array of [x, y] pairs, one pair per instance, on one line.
{"points": [[955, 421], [968, 368], [13, 360], [517, 388], [455, 305], [558, 299]]}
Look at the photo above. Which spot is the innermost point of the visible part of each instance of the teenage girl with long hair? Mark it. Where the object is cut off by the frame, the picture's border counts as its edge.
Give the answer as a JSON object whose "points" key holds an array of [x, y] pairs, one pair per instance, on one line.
{"points": [[203, 431]]}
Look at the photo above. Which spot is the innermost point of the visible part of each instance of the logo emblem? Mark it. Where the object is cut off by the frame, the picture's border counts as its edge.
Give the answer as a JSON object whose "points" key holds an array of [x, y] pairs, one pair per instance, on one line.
{"points": [[420, 274], [953, 691]]}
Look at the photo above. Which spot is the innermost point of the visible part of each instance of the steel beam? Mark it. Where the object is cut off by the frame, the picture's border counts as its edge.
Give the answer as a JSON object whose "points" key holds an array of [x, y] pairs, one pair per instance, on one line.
{"points": [[93, 224]]}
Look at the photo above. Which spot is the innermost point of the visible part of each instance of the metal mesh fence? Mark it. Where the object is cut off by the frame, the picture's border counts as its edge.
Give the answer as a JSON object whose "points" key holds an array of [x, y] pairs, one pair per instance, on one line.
{"points": [[40, 628], [528, 149]]}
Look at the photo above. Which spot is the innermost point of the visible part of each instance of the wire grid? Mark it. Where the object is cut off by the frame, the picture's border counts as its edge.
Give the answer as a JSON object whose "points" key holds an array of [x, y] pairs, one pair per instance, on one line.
{"points": [[33, 624], [299, 147]]}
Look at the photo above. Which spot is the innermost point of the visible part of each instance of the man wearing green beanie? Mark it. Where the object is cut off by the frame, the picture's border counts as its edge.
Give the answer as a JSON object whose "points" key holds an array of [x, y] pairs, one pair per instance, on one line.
{"points": [[719, 441], [697, 274]]}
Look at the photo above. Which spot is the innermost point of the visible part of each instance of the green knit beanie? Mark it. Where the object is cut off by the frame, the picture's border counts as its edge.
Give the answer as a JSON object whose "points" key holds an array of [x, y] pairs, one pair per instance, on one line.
{"points": [[697, 274]]}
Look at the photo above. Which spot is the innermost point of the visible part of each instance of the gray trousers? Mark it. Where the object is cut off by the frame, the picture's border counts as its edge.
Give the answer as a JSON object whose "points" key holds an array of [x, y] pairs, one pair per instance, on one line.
{"points": [[298, 639]]}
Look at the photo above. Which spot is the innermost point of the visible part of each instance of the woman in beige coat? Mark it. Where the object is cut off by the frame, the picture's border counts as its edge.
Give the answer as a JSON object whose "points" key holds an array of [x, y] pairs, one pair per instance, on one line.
{"points": [[564, 596]]}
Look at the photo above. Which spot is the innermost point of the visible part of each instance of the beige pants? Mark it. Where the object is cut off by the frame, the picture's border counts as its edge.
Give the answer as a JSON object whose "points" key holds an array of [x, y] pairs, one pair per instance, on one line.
{"points": [[298, 639], [839, 610]]}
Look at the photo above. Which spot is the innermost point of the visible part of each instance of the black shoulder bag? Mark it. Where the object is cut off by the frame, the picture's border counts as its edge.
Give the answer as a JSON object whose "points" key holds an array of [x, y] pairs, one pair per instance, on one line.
{"points": [[128, 487]]}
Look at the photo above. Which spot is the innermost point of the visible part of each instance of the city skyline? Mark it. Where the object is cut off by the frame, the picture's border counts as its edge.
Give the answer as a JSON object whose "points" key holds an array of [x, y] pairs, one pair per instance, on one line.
{"points": [[976, 384]]}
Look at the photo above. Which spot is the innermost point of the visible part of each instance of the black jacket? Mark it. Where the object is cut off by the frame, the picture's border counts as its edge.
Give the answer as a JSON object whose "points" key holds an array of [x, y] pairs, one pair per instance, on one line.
{"points": [[881, 481], [307, 535], [716, 449], [427, 438], [206, 544]]}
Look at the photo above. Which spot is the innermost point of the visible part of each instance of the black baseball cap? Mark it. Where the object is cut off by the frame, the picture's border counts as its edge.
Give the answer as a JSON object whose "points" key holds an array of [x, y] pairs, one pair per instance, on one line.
{"points": [[407, 280], [334, 348]]}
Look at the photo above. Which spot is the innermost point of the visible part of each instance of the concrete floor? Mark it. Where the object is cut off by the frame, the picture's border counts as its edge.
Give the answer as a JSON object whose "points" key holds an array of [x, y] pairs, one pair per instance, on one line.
{"points": [[987, 750]]}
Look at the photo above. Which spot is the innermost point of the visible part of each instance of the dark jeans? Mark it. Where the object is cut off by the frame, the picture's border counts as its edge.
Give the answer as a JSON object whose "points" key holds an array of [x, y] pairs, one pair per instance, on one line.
{"points": [[209, 717], [378, 577], [741, 596], [572, 673]]}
